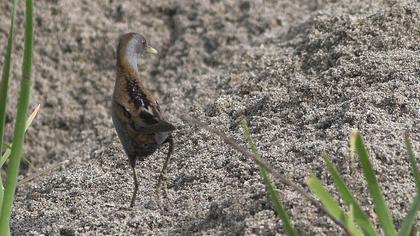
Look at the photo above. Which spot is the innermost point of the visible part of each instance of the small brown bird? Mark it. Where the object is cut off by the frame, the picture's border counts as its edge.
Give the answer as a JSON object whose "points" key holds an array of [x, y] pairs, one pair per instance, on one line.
{"points": [[137, 118]]}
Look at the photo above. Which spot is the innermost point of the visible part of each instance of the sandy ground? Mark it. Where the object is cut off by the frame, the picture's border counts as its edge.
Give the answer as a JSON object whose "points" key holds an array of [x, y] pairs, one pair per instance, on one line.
{"points": [[304, 73]]}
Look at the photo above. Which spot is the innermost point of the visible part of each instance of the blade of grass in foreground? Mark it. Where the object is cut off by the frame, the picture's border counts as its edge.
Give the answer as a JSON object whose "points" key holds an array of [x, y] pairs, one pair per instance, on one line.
{"points": [[380, 205], [28, 123], [4, 84], [359, 215], [408, 222], [4, 87], [19, 132], [281, 212], [332, 205], [329, 202], [413, 162]]}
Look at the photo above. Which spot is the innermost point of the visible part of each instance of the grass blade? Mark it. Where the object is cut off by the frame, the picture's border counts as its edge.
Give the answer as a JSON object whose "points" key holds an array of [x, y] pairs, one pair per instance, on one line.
{"points": [[409, 219], [6, 155], [4, 87], [19, 131], [380, 205], [27, 124], [350, 216], [332, 205], [413, 162], [329, 202], [408, 222], [281, 212], [1, 192], [31, 117], [360, 216], [4, 84]]}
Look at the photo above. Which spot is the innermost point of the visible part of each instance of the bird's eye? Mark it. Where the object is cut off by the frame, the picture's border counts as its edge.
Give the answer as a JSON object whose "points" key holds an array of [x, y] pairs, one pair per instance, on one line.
{"points": [[143, 43]]}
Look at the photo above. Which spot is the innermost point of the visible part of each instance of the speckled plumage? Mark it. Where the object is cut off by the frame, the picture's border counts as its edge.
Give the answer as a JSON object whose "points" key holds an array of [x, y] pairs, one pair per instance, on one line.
{"points": [[137, 118]]}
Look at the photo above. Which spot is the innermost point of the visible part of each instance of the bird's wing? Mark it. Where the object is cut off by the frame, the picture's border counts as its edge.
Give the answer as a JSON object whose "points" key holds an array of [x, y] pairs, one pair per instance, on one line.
{"points": [[144, 120]]}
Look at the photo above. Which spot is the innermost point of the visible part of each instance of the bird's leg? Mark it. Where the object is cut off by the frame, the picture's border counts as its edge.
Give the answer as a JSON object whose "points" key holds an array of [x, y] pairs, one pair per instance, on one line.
{"points": [[162, 177], [136, 183]]}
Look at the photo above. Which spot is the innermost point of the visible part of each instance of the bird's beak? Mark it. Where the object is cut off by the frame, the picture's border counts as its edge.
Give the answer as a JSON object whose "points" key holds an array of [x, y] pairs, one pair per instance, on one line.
{"points": [[151, 50]]}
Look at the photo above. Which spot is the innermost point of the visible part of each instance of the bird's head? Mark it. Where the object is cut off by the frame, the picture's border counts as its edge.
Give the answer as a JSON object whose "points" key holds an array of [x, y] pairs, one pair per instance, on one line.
{"points": [[131, 46], [137, 43]]}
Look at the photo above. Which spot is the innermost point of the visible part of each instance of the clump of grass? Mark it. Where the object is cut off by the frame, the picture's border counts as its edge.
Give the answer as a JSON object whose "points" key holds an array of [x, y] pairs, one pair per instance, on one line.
{"points": [[356, 220], [16, 148], [351, 218], [356, 216]]}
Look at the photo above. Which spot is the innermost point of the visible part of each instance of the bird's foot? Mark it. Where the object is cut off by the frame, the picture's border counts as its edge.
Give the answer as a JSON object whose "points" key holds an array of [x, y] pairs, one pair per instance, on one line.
{"points": [[162, 185]]}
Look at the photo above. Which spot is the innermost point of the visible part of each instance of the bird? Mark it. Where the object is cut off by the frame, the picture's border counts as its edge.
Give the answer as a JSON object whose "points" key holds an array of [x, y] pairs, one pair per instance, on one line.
{"points": [[138, 120]]}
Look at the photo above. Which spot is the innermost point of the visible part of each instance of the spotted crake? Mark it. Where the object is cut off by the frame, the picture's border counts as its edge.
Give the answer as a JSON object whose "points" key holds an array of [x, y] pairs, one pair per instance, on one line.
{"points": [[137, 118]]}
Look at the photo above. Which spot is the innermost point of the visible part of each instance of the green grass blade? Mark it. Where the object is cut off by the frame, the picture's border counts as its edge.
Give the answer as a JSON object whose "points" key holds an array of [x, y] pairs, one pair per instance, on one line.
{"points": [[4, 84], [281, 212], [325, 197], [332, 205], [1, 192], [380, 205], [413, 162], [6, 155], [360, 216], [27, 124], [408, 222], [19, 132], [350, 218]]}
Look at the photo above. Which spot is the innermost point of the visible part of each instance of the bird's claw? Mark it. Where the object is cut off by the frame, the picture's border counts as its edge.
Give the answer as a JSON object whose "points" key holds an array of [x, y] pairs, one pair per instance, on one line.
{"points": [[162, 185]]}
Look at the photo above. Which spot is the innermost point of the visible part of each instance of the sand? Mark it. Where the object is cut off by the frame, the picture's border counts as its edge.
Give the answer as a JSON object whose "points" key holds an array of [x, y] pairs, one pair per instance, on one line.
{"points": [[304, 73]]}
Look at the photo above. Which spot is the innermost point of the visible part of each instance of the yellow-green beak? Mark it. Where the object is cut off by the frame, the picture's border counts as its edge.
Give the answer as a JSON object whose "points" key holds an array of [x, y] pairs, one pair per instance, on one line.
{"points": [[151, 50]]}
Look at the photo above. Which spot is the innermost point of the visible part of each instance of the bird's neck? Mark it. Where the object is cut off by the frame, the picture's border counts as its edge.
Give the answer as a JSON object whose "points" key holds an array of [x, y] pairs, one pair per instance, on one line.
{"points": [[127, 70], [129, 56]]}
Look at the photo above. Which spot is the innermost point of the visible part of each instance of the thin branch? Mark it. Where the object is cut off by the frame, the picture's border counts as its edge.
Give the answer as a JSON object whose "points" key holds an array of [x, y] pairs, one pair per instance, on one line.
{"points": [[42, 172], [283, 179]]}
